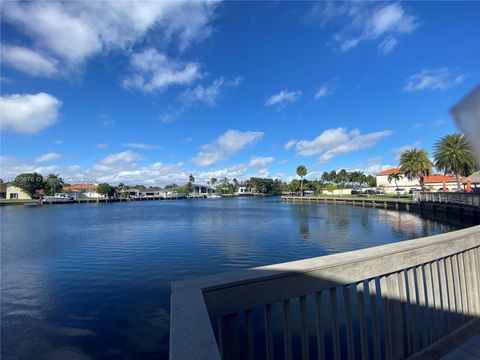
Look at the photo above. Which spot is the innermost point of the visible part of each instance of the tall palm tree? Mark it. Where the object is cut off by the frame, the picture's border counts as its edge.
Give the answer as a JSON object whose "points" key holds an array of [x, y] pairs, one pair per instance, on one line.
{"points": [[396, 176], [452, 154], [213, 181], [415, 164], [191, 178], [302, 172], [53, 184], [342, 178]]}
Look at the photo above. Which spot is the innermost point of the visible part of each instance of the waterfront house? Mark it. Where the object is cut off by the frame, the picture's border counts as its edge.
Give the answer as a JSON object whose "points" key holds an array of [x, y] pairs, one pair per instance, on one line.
{"points": [[10, 191], [78, 191], [152, 193], [432, 182], [199, 190]]}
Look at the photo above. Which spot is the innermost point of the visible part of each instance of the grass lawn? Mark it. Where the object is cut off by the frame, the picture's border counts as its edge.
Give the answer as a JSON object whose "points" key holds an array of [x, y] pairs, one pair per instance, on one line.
{"points": [[16, 201]]}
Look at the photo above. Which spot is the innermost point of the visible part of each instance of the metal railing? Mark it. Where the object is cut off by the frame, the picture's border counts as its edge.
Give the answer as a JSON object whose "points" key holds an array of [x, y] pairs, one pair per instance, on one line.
{"points": [[472, 199], [392, 301]]}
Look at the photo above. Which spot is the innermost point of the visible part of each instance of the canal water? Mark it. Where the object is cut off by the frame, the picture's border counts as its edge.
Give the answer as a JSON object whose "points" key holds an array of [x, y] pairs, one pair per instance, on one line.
{"points": [[92, 281]]}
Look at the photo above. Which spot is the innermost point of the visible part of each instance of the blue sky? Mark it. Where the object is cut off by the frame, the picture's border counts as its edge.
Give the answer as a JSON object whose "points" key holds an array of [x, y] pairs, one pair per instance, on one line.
{"points": [[150, 92]]}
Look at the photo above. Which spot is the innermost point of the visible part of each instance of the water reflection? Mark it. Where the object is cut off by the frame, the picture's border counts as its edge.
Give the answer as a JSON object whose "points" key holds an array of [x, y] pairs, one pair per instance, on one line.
{"points": [[93, 281]]}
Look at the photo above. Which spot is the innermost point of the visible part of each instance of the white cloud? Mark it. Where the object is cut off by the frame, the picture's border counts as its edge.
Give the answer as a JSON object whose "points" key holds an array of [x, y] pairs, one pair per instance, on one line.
{"points": [[153, 71], [227, 144], [440, 122], [364, 21], [398, 151], [290, 144], [141, 146], [335, 142], [323, 91], [59, 142], [208, 94], [48, 157], [29, 61], [260, 161], [387, 45], [117, 162], [71, 32], [415, 126], [440, 79], [283, 98], [28, 113], [122, 167]]}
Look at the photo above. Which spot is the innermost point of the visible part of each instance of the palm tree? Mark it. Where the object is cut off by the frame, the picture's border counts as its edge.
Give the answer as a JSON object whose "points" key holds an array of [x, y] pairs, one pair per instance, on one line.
{"points": [[452, 154], [213, 181], [53, 184], [302, 172], [415, 164], [396, 176], [191, 178], [342, 178]]}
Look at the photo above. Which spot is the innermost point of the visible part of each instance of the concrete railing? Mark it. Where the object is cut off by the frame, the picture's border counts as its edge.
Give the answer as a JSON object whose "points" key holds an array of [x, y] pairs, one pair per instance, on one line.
{"points": [[472, 199], [393, 301]]}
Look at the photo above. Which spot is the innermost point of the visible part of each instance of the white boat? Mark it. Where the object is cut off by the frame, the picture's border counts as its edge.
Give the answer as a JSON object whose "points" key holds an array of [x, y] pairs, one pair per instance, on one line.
{"points": [[57, 198], [214, 196]]}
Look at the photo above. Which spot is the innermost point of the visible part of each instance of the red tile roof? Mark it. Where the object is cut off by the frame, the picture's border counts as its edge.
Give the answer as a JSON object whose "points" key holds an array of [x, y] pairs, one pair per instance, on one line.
{"points": [[439, 179], [79, 187], [389, 171]]}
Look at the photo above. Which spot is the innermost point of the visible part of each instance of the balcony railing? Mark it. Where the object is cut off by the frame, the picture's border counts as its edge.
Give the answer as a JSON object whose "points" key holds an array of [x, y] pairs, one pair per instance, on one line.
{"points": [[472, 199], [392, 301]]}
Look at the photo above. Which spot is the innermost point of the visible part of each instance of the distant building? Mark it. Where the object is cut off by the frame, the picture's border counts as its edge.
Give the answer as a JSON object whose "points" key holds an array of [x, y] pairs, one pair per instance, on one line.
{"points": [[432, 182], [145, 193], [10, 191], [199, 190], [78, 191]]}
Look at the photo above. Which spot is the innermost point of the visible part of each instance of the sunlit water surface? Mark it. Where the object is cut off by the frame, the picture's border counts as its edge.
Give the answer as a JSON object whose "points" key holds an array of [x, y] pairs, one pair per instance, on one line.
{"points": [[92, 281]]}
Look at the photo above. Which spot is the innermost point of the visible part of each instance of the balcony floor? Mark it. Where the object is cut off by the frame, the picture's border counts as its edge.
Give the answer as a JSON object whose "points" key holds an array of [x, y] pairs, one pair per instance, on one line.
{"points": [[470, 349]]}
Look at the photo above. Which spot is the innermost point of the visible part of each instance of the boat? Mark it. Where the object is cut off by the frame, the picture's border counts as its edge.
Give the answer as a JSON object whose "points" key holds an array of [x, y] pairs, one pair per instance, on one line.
{"points": [[57, 198], [32, 204], [214, 196]]}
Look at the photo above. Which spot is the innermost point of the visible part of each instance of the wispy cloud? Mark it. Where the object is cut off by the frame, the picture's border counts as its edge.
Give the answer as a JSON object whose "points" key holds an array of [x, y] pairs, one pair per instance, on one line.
{"points": [[208, 94], [48, 157], [365, 21], [226, 145], [29, 113], [290, 144], [153, 71], [416, 126], [102, 146], [338, 141], [387, 45], [440, 79], [141, 146], [324, 91], [29, 61], [283, 98]]}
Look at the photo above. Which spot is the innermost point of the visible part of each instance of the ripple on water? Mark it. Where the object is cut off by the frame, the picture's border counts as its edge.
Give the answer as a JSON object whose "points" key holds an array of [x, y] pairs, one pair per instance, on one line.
{"points": [[93, 281]]}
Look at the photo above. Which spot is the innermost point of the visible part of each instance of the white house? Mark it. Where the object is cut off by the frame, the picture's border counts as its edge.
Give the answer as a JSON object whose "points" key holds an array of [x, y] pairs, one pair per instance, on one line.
{"points": [[78, 191], [199, 189], [432, 182]]}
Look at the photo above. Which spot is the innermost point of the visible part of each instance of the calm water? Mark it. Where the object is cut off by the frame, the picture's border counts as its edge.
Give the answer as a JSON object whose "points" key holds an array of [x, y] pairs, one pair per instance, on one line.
{"points": [[92, 281]]}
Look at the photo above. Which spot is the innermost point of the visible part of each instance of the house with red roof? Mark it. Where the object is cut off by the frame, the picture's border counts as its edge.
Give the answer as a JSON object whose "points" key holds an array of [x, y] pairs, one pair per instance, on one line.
{"points": [[78, 191], [432, 182]]}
